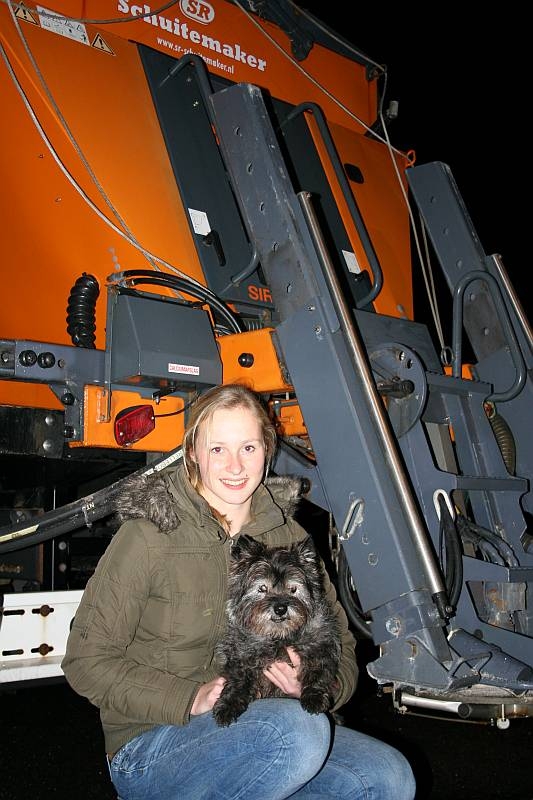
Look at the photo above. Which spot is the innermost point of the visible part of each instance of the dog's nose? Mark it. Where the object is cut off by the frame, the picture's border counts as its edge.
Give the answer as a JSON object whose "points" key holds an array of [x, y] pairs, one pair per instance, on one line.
{"points": [[280, 609]]}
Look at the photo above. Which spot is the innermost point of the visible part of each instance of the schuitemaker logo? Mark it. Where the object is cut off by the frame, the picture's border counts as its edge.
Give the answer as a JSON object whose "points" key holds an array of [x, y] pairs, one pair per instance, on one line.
{"points": [[198, 10]]}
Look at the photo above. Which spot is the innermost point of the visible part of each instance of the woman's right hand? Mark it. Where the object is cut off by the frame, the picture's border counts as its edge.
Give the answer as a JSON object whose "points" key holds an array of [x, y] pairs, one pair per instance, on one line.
{"points": [[207, 696]]}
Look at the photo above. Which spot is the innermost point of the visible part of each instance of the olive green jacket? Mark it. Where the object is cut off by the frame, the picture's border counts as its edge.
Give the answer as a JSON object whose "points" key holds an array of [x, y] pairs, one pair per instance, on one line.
{"points": [[143, 637]]}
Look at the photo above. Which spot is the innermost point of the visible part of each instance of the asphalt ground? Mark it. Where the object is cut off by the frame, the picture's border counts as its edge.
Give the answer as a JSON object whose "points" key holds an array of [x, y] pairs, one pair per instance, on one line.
{"points": [[52, 747]]}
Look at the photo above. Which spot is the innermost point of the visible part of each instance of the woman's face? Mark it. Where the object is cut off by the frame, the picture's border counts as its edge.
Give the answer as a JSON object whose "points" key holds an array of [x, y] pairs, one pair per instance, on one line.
{"points": [[230, 455]]}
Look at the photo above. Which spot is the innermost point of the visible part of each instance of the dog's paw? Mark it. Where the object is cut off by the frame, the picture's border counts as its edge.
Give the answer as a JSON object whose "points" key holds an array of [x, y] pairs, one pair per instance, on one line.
{"points": [[226, 713], [315, 701]]}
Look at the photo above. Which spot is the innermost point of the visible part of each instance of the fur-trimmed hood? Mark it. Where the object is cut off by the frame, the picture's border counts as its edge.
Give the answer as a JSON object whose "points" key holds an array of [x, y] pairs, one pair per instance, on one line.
{"points": [[164, 497]]}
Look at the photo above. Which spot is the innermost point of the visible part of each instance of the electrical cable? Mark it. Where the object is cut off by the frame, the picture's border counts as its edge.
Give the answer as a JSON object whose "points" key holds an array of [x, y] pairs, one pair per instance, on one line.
{"points": [[124, 234], [482, 537], [113, 21], [70, 135], [313, 80], [318, 24], [180, 410], [135, 277], [452, 561], [73, 516], [408, 156]]}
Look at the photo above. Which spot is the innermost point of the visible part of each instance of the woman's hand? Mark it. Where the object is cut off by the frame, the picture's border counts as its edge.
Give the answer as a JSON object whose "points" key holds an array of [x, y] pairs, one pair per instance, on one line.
{"points": [[207, 695], [285, 676]]}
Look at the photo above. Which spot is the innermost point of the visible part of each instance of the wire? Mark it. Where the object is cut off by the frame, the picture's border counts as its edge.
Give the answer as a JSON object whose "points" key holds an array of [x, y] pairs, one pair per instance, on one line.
{"points": [[314, 81], [180, 410], [424, 261], [116, 20], [450, 544], [318, 24], [66, 128], [124, 234], [409, 156], [487, 541], [139, 276], [79, 514]]}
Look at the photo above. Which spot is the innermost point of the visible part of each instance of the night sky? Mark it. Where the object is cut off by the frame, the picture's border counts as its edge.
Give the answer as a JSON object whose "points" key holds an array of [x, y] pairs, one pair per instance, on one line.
{"points": [[463, 99]]}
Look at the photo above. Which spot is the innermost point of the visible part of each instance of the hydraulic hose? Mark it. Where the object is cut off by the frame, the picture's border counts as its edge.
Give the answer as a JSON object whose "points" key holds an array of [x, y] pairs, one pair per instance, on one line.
{"points": [[454, 555], [81, 308], [73, 516], [139, 276]]}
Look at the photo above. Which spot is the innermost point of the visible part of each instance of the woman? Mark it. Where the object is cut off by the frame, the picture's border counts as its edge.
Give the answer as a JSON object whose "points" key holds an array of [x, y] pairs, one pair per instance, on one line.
{"points": [[142, 644]]}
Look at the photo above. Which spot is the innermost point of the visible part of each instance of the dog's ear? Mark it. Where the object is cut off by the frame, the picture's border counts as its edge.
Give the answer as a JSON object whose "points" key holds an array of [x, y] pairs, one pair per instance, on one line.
{"points": [[306, 550], [246, 546]]}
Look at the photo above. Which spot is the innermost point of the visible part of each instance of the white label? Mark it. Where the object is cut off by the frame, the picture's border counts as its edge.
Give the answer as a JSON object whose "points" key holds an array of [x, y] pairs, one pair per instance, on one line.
{"points": [[199, 220], [51, 21], [184, 369], [351, 262]]}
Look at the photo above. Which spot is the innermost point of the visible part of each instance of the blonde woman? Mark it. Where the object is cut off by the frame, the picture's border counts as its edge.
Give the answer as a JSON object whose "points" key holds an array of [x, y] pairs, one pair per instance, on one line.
{"points": [[142, 643]]}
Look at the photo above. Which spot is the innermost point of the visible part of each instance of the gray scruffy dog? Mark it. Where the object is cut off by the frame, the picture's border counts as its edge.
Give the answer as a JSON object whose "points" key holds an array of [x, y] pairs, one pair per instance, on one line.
{"points": [[276, 600]]}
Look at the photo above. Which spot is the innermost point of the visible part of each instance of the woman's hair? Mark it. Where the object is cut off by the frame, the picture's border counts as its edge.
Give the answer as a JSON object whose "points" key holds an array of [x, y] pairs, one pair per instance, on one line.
{"points": [[228, 396]]}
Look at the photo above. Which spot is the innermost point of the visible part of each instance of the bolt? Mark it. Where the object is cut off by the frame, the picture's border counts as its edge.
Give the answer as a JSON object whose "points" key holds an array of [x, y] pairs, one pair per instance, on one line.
{"points": [[246, 360], [46, 360], [27, 358], [394, 626]]}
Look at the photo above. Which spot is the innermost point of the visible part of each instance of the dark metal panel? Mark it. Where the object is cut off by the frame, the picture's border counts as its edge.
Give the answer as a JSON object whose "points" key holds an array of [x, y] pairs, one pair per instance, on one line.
{"points": [[31, 431], [353, 463], [160, 343], [458, 248], [179, 90]]}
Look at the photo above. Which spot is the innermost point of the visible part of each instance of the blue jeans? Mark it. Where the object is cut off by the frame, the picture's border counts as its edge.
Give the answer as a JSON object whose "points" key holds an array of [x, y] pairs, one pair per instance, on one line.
{"points": [[275, 750]]}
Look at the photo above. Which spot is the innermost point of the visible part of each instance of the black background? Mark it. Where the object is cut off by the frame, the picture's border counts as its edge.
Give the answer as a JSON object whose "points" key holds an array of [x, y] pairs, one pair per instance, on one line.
{"points": [[460, 77]]}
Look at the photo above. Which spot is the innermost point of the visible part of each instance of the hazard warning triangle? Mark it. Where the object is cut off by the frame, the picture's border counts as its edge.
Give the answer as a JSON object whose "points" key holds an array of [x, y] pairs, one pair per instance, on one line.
{"points": [[99, 43], [25, 14]]}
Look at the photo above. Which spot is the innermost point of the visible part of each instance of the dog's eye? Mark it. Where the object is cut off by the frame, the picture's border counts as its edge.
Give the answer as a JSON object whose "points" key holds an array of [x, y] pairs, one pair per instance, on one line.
{"points": [[293, 589], [262, 588]]}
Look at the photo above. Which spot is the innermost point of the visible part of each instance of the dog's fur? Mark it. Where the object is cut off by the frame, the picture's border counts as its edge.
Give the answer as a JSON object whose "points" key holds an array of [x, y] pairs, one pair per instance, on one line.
{"points": [[276, 600]]}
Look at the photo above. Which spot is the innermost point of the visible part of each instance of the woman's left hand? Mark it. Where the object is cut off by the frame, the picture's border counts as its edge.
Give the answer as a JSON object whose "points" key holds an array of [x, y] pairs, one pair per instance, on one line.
{"points": [[286, 676]]}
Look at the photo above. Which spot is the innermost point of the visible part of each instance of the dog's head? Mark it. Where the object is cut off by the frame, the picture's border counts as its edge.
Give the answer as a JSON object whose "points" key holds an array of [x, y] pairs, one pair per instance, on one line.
{"points": [[273, 590]]}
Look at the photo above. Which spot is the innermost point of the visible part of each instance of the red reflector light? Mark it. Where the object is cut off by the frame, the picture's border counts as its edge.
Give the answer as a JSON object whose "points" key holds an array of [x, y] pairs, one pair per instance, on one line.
{"points": [[132, 424]]}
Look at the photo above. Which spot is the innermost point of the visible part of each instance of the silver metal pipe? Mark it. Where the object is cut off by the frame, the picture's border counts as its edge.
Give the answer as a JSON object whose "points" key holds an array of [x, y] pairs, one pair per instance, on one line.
{"points": [[375, 404], [430, 702]]}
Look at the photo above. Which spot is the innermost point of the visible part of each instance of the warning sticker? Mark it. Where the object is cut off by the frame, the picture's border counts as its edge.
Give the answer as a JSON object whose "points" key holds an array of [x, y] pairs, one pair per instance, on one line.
{"points": [[99, 43], [51, 21], [25, 15]]}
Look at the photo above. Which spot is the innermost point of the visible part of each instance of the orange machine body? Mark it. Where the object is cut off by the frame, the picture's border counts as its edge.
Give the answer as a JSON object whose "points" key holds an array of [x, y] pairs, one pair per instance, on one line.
{"points": [[88, 185]]}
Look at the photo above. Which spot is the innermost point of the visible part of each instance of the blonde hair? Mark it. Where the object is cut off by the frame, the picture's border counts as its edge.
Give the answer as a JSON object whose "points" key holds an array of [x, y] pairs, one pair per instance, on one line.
{"points": [[226, 396]]}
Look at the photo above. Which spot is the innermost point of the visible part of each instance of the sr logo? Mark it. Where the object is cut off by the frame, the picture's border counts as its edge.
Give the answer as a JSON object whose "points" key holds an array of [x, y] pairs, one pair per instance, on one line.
{"points": [[198, 10]]}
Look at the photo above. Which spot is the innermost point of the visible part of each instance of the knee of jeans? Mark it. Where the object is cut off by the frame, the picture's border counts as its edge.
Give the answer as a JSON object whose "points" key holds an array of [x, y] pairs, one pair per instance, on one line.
{"points": [[307, 736], [399, 777]]}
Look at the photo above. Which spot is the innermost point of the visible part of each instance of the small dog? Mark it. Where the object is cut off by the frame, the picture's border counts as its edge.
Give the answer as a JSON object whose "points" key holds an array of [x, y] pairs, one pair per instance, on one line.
{"points": [[276, 600]]}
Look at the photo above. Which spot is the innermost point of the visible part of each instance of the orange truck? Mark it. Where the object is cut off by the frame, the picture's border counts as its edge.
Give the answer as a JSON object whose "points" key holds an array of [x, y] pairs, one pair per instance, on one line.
{"points": [[206, 192]]}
